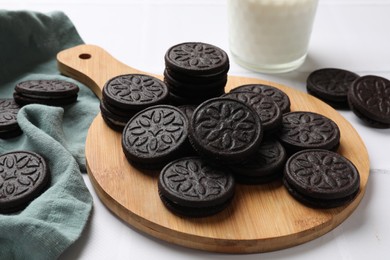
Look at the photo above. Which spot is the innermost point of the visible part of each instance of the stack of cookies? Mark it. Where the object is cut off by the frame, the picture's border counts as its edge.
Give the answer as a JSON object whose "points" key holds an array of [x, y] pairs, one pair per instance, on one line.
{"points": [[125, 95], [195, 72], [210, 140]]}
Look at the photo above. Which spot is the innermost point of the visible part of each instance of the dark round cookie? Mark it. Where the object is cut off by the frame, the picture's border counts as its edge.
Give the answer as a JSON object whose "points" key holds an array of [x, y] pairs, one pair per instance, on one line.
{"points": [[321, 175], [331, 85], [135, 91], [8, 112], [46, 89], [265, 166], [308, 130], [9, 126], [8, 103], [369, 98], [225, 130], [192, 187], [8, 120], [155, 136], [276, 94], [269, 112], [24, 100], [23, 177], [196, 58]]}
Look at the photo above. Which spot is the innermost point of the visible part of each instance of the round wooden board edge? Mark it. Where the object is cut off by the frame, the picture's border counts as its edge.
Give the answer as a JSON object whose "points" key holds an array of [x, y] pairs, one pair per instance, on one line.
{"points": [[227, 245]]}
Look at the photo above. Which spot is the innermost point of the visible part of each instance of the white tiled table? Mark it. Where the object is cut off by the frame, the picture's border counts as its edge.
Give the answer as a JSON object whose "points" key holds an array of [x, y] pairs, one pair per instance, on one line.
{"points": [[349, 34]]}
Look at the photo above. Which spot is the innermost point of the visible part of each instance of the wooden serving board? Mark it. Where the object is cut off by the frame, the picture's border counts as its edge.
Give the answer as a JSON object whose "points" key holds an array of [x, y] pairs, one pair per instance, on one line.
{"points": [[261, 218]]}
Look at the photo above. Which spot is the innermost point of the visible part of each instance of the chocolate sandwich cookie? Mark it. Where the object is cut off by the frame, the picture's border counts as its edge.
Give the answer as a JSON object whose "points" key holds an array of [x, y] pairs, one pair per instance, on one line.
{"points": [[125, 95], [331, 85], [23, 176], [280, 97], [192, 187], [134, 92], [23, 100], [9, 126], [369, 99], [196, 58], [225, 130], [8, 103], [264, 166], [155, 136], [46, 88], [321, 178], [269, 112], [46, 92], [308, 130]]}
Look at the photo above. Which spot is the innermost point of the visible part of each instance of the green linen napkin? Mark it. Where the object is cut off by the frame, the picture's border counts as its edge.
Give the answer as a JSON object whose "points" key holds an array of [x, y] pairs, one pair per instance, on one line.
{"points": [[29, 43]]}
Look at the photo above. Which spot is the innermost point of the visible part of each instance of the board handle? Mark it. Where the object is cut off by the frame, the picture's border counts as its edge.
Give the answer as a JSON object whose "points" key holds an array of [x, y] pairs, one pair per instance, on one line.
{"points": [[91, 65]]}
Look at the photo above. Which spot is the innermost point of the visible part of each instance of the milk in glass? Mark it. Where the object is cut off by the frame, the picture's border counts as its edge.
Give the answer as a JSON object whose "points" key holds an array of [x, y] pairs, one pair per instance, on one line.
{"points": [[270, 35]]}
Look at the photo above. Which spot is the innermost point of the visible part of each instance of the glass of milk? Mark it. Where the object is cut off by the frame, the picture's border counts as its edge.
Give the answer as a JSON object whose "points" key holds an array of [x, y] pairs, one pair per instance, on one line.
{"points": [[270, 36]]}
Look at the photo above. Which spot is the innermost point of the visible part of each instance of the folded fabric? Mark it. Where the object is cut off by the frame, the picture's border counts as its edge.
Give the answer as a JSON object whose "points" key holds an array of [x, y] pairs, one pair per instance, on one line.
{"points": [[29, 43]]}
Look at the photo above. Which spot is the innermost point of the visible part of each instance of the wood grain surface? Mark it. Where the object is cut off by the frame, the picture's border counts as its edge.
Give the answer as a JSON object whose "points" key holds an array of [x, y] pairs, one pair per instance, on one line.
{"points": [[261, 218]]}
